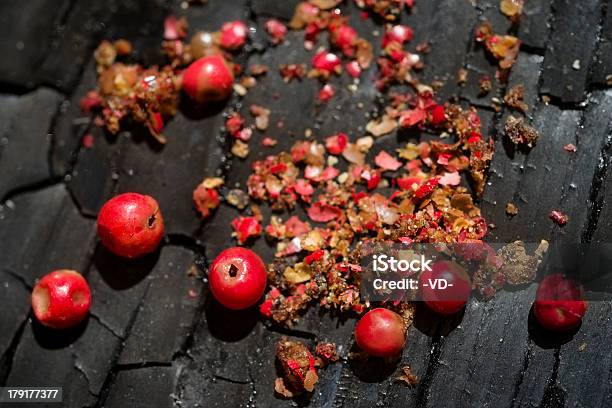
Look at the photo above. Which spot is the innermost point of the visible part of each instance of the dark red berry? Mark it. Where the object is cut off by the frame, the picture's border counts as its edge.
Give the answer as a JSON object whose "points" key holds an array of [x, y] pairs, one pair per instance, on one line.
{"points": [[208, 79], [559, 304], [452, 287], [381, 333]]}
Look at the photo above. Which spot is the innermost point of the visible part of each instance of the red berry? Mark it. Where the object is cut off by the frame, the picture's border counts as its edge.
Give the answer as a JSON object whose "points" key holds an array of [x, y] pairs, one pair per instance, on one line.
{"points": [[233, 35], [208, 79], [381, 333], [277, 30], [437, 115], [344, 37], [326, 61], [337, 143], [326, 93], [237, 278], [353, 68], [131, 225], [397, 33], [449, 300], [61, 299], [559, 304]]}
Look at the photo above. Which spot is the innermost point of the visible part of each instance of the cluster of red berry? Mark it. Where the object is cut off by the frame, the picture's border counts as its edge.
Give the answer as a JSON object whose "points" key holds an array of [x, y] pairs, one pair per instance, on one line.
{"points": [[131, 225]]}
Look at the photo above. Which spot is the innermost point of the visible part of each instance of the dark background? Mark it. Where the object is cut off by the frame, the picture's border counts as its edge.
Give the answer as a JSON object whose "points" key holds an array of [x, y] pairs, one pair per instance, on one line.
{"points": [[148, 343]]}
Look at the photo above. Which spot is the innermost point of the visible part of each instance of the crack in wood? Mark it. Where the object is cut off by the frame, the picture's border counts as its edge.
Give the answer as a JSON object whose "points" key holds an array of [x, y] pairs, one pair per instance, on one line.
{"points": [[7, 359], [437, 344], [597, 193], [110, 377]]}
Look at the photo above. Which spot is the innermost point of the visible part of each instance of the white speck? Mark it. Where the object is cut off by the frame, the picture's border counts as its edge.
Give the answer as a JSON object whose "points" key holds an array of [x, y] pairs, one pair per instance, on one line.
{"points": [[10, 204], [576, 65]]}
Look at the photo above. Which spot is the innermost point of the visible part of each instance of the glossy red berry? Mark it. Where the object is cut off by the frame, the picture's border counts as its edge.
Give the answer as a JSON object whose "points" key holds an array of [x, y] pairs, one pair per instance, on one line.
{"points": [[237, 278], [233, 35], [326, 93], [131, 225], [381, 333], [353, 68], [326, 61], [559, 304], [445, 298], [208, 79], [399, 34], [344, 37], [61, 299], [277, 30], [438, 115]]}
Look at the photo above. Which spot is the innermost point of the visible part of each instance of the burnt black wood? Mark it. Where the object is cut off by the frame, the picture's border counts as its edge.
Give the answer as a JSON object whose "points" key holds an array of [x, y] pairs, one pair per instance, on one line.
{"points": [[155, 337]]}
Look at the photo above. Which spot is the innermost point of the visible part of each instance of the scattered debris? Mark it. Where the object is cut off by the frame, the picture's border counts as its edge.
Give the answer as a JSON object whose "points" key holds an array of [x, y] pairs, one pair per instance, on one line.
{"points": [[511, 209], [512, 9], [570, 148], [514, 98], [504, 48], [518, 267], [326, 354], [559, 217], [407, 377], [299, 371], [206, 197], [519, 132], [262, 116], [237, 198], [484, 85]]}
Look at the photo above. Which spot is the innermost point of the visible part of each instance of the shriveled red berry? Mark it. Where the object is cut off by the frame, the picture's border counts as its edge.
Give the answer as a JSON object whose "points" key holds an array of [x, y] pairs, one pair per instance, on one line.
{"points": [[452, 287], [233, 35], [381, 333], [237, 278], [131, 225], [559, 304], [61, 299], [208, 79], [326, 61]]}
